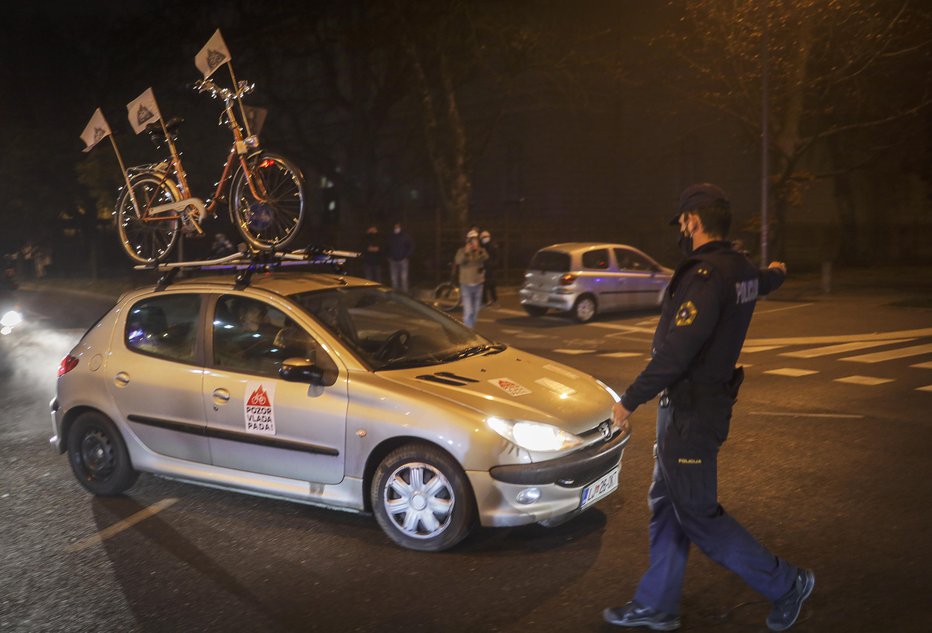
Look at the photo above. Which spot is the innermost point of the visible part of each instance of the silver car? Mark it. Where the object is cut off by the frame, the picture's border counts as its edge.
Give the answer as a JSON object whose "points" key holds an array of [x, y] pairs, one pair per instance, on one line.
{"points": [[334, 391], [587, 278]]}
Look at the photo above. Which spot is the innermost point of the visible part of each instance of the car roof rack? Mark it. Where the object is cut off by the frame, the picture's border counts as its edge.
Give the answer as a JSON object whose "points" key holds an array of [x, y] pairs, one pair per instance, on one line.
{"points": [[249, 262]]}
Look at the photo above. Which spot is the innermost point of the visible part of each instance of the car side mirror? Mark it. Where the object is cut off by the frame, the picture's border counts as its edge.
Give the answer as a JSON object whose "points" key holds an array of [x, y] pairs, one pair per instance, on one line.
{"points": [[301, 370]]}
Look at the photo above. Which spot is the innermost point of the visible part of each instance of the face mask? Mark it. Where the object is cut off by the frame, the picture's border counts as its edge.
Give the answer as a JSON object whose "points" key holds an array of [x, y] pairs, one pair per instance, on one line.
{"points": [[485, 240], [397, 231], [685, 241]]}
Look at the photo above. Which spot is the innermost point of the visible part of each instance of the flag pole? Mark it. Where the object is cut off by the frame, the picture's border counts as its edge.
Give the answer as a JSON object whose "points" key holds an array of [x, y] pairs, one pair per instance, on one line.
{"points": [[242, 109], [132, 195]]}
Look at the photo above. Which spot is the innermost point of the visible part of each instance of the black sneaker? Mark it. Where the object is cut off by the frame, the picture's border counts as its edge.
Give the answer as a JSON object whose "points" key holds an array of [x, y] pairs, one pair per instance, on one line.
{"points": [[786, 609], [634, 614]]}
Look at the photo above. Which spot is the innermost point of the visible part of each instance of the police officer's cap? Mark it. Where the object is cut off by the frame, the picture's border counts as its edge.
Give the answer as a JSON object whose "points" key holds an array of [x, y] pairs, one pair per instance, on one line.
{"points": [[704, 194]]}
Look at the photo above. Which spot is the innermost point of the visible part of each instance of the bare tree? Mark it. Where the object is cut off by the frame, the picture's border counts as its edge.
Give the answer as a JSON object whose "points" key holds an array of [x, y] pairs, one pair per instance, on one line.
{"points": [[842, 77]]}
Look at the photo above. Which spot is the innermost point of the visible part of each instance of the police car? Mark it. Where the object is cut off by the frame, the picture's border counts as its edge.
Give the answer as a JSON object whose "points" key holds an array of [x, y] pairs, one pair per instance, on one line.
{"points": [[334, 391]]}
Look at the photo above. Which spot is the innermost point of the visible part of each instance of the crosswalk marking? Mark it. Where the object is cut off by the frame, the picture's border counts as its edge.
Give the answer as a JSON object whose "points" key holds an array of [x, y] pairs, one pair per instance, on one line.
{"points": [[759, 348], [574, 351], [621, 354], [867, 381], [841, 348], [789, 371], [923, 365], [879, 357], [530, 335], [926, 388]]}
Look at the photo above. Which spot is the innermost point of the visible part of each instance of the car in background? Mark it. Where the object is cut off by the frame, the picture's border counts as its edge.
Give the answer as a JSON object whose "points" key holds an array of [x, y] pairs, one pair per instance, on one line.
{"points": [[339, 392], [589, 278]]}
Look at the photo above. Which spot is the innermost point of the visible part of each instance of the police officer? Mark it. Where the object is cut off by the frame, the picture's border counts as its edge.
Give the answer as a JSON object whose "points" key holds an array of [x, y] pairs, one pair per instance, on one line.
{"points": [[705, 316]]}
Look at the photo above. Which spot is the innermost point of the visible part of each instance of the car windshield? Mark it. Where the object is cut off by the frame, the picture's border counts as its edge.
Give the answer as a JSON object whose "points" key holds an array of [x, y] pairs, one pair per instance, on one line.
{"points": [[388, 330]]}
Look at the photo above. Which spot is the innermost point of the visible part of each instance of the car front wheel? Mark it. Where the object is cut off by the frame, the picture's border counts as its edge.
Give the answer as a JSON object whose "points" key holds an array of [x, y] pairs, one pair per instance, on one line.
{"points": [[585, 309], [98, 455], [421, 498]]}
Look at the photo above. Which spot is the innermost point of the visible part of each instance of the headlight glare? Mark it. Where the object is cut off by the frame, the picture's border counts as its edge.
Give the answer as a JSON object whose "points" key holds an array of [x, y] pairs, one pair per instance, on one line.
{"points": [[534, 436], [11, 319]]}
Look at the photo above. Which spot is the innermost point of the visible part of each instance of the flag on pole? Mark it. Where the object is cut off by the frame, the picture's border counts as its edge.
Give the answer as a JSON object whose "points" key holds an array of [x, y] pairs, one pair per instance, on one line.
{"points": [[143, 110], [214, 54], [95, 131]]}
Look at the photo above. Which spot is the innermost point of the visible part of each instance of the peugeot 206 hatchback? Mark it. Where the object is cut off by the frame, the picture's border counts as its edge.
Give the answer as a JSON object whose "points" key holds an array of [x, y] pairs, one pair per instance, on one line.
{"points": [[338, 392], [584, 279]]}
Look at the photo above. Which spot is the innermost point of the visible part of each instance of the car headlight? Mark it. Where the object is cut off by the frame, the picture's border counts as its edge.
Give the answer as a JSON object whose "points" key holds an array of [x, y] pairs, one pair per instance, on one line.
{"points": [[11, 319], [610, 391], [534, 436]]}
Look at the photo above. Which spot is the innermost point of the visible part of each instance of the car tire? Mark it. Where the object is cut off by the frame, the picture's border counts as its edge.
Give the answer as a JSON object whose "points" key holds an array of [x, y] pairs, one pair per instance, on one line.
{"points": [[98, 455], [585, 309], [534, 311], [421, 498]]}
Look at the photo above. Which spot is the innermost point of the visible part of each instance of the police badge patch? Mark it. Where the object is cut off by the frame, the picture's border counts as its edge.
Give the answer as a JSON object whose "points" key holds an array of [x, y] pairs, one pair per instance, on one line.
{"points": [[686, 314]]}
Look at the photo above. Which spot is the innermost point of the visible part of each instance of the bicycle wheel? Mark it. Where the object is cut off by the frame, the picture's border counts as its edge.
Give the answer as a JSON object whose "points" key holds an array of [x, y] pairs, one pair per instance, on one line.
{"points": [[147, 240], [447, 297], [274, 220]]}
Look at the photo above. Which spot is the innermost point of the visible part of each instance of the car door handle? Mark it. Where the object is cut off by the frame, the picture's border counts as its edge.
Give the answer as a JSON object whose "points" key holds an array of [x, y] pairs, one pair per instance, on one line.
{"points": [[221, 396], [121, 379]]}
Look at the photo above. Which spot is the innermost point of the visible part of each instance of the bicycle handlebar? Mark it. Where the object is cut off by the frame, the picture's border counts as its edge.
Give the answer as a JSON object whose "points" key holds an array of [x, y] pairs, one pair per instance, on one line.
{"points": [[207, 85]]}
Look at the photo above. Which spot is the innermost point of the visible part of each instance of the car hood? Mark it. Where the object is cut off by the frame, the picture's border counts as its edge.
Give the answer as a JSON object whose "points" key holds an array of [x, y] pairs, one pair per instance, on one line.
{"points": [[515, 385]]}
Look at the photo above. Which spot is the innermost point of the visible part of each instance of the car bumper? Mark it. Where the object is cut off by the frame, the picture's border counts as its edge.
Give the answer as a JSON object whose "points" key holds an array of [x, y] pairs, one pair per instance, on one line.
{"points": [[56, 440], [544, 299], [559, 482]]}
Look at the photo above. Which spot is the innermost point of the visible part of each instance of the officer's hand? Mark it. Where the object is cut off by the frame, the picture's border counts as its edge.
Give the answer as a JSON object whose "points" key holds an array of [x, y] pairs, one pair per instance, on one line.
{"points": [[620, 416], [779, 265]]}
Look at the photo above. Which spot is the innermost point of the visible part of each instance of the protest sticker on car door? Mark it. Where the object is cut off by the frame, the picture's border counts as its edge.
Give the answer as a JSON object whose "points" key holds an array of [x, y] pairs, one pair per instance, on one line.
{"points": [[510, 387], [260, 416]]}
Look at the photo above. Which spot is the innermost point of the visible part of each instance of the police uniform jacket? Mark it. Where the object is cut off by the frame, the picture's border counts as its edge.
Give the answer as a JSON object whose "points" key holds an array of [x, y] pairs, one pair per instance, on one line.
{"points": [[705, 315]]}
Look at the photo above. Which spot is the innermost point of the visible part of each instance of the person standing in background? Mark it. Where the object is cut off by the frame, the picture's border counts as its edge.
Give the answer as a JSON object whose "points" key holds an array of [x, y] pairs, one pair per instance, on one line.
{"points": [[372, 255], [471, 260], [489, 291], [400, 249]]}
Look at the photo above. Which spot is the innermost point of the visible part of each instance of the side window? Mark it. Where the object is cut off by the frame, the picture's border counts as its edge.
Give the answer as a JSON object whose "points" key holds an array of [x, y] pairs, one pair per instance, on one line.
{"points": [[629, 260], [595, 260], [253, 337], [164, 326]]}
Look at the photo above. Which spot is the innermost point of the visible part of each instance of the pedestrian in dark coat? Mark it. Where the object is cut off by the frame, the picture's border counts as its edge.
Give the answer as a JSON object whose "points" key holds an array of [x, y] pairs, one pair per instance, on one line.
{"points": [[372, 255], [705, 316], [489, 289], [400, 249]]}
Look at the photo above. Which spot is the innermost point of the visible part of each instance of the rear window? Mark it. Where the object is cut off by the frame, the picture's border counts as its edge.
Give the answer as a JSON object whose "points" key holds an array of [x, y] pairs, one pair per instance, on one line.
{"points": [[551, 262]]}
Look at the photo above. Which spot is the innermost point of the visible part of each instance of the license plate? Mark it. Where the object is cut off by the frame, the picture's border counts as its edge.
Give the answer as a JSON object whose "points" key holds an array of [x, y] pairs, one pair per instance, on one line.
{"points": [[603, 486]]}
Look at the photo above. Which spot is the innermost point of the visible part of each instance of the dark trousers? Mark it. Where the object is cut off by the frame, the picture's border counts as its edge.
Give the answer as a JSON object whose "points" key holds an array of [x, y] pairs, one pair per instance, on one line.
{"points": [[685, 510], [489, 290]]}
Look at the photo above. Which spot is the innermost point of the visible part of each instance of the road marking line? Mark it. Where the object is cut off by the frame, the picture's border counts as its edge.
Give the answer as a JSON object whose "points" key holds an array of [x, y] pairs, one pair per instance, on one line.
{"points": [[926, 388], [759, 348], [510, 331], [864, 380], [846, 338], [530, 335], [621, 354], [923, 365], [507, 311], [630, 329], [574, 351], [649, 322], [796, 414], [842, 347], [120, 526], [801, 305], [879, 357], [789, 371]]}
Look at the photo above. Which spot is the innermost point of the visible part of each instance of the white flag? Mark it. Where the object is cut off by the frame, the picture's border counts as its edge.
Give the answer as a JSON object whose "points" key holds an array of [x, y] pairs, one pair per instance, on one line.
{"points": [[143, 110], [214, 54], [95, 131]]}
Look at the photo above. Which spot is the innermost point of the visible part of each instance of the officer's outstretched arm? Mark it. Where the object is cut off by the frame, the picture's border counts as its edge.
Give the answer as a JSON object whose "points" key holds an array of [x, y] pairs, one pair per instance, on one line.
{"points": [[771, 278]]}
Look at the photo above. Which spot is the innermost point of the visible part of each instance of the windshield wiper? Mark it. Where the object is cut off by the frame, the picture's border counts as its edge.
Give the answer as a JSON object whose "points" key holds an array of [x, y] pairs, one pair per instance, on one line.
{"points": [[469, 351], [496, 348], [407, 363]]}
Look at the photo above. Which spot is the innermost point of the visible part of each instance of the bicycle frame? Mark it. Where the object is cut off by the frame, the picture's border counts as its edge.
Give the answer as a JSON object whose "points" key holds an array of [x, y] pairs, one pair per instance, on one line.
{"points": [[241, 148]]}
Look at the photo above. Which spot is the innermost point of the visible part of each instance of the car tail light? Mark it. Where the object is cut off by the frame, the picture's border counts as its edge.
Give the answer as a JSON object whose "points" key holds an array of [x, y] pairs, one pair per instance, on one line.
{"points": [[68, 363], [567, 279]]}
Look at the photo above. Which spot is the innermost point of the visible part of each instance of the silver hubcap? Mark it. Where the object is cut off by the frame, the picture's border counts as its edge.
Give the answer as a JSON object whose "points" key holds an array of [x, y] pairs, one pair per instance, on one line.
{"points": [[585, 309], [419, 500]]}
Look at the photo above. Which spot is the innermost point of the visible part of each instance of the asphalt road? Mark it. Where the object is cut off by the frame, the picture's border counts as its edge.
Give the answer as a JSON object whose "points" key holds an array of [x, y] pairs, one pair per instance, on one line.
{"points": [[828, 463]]}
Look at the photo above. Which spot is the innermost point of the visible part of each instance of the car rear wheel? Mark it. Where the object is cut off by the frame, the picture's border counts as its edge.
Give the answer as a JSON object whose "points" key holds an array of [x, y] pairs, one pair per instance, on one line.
{"points": [[98, 455], [585, 309], [421, 498], [534, 311]]}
